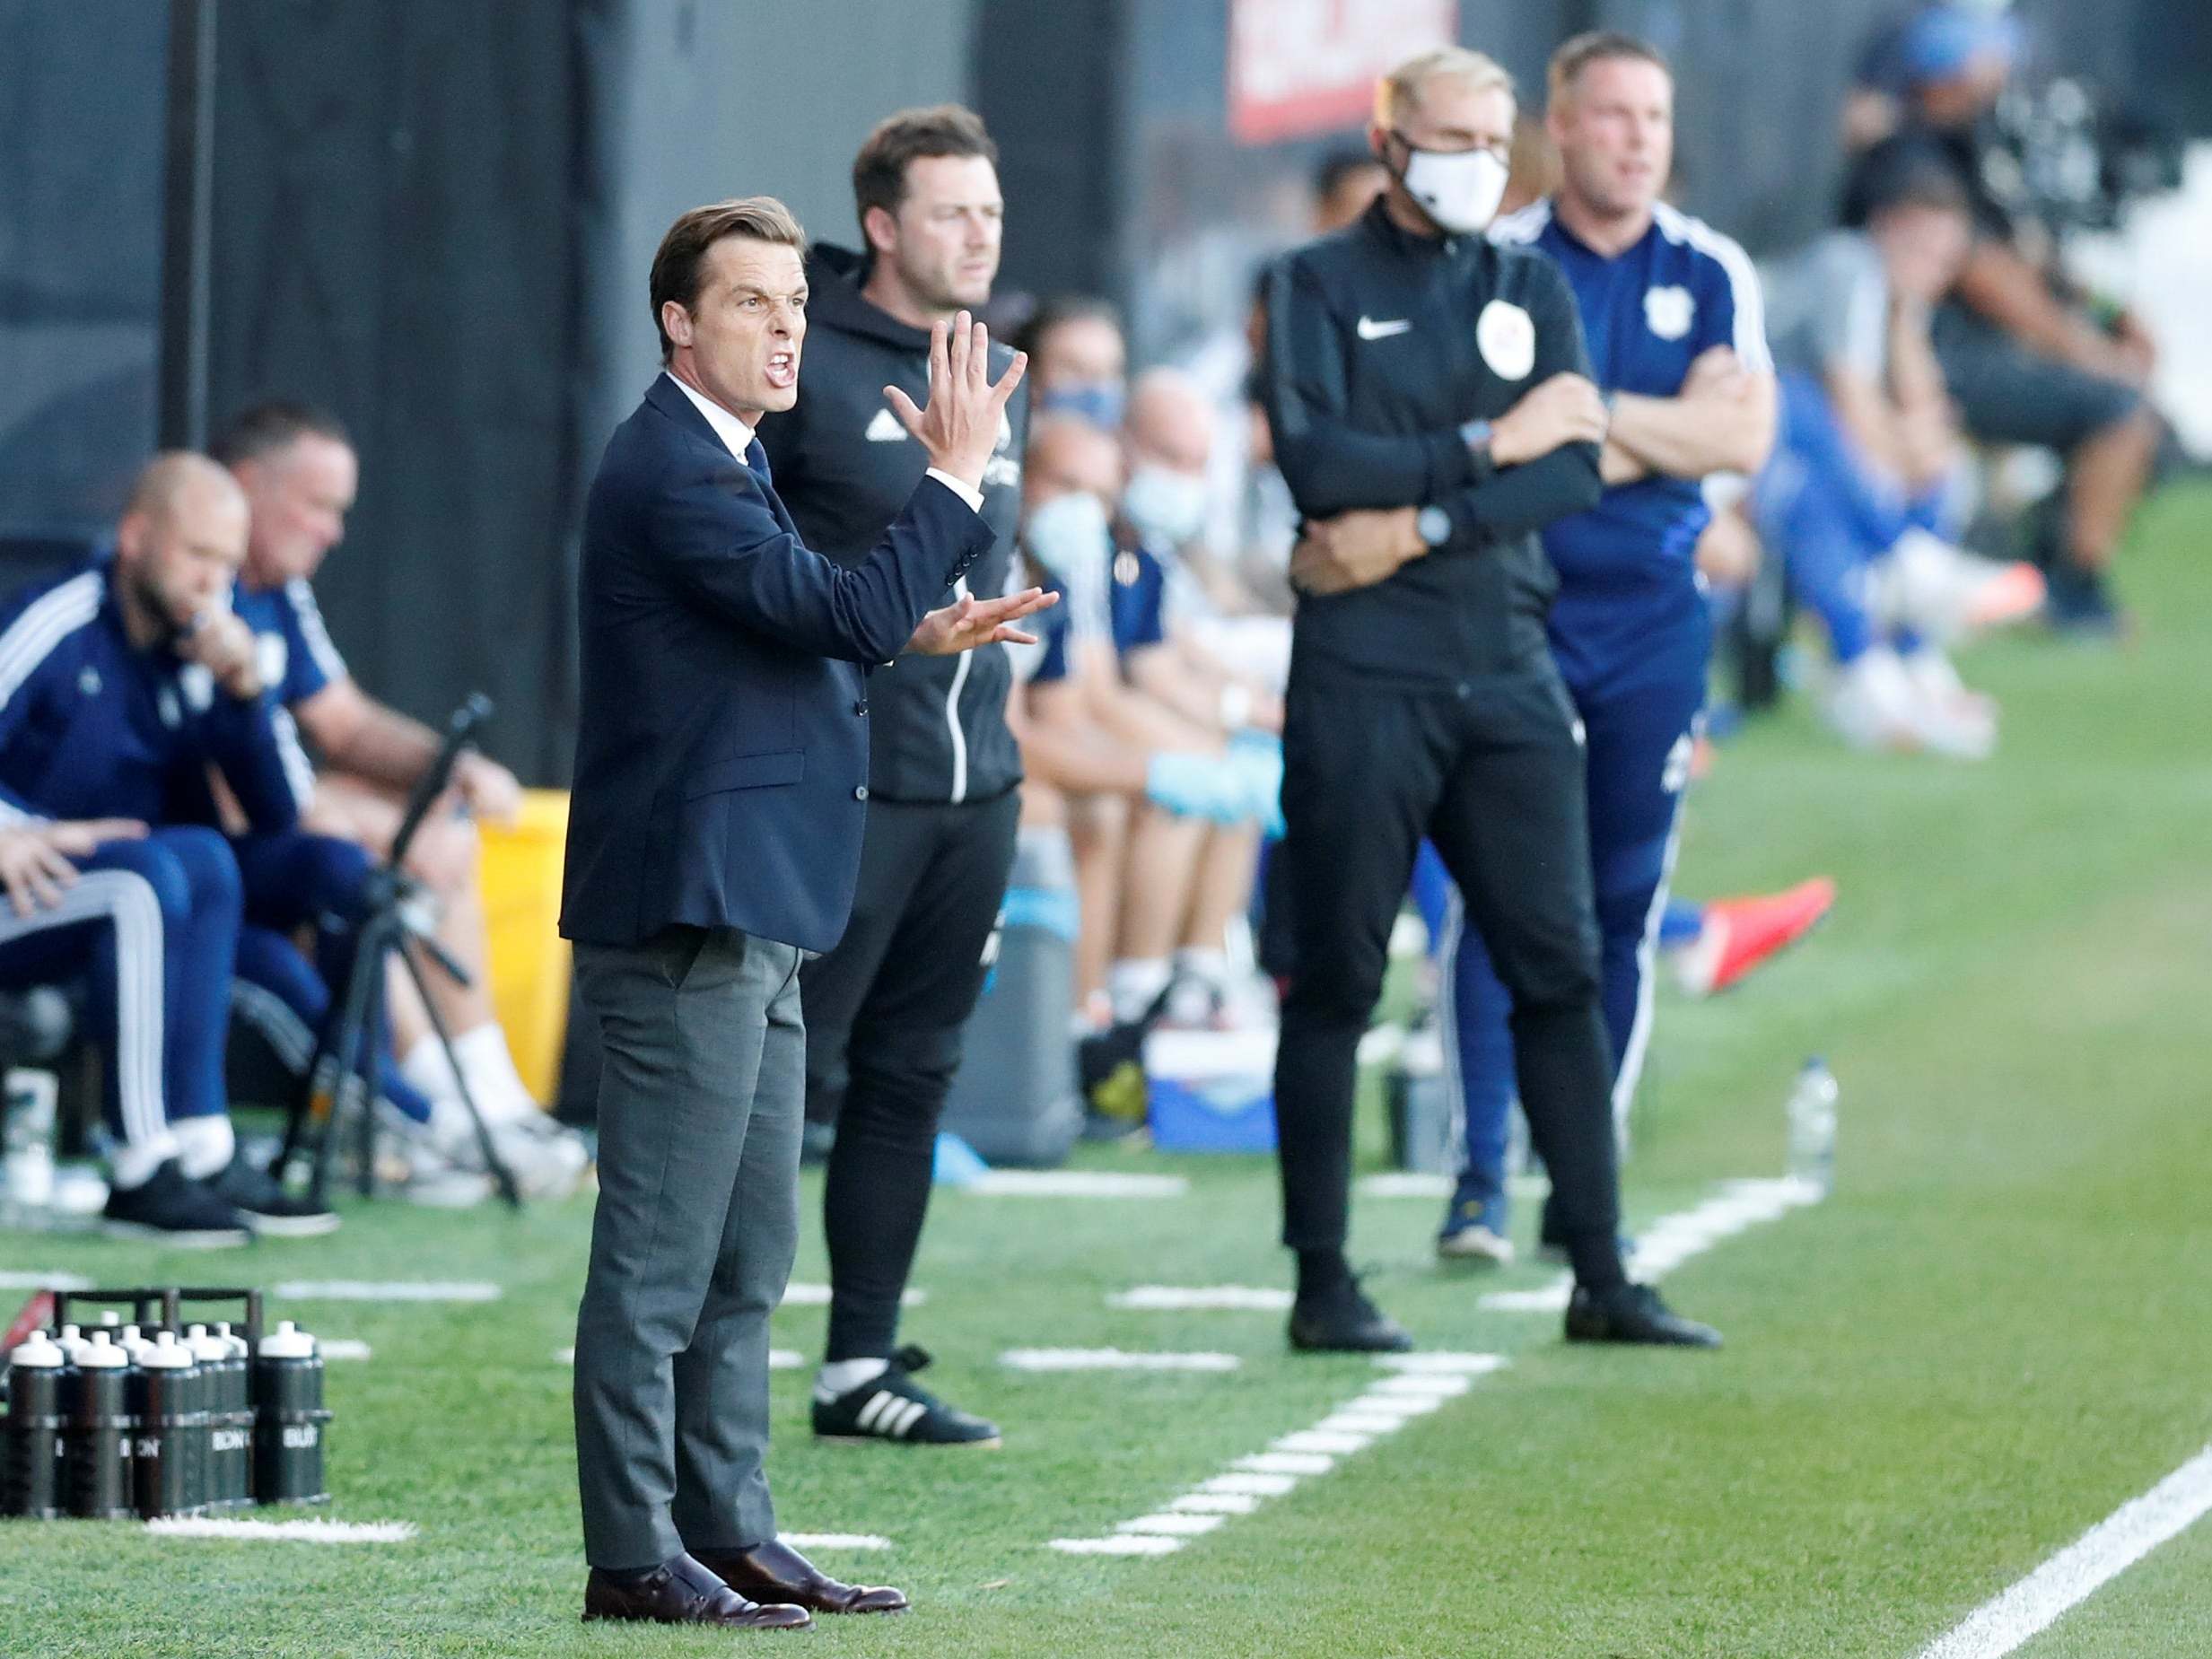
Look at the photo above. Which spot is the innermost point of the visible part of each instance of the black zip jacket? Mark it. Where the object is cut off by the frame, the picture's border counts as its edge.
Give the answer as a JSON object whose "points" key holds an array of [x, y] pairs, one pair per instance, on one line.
{"points": [[1380, 345], [844, 467]]}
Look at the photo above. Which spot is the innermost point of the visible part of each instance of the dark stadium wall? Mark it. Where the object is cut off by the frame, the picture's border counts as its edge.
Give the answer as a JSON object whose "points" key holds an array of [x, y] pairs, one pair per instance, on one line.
{"points": [[437, 218]]}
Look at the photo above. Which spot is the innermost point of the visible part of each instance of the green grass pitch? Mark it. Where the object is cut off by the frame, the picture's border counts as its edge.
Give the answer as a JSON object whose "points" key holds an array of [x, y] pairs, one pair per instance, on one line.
{"points": [[1997, 1330]]}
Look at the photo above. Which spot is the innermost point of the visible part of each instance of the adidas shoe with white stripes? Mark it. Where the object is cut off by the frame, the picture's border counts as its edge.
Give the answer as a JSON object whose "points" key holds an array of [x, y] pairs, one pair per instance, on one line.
{"points": [[892, 1406]]}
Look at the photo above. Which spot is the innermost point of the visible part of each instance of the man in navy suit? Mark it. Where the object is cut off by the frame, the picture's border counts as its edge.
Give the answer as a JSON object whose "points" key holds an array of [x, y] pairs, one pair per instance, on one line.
{"points": [[714, 836]]}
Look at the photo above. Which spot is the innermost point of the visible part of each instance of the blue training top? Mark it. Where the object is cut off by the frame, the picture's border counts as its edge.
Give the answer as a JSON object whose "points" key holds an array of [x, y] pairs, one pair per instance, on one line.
{"points": [[92, 727], [1625, 567], [297, 660]]}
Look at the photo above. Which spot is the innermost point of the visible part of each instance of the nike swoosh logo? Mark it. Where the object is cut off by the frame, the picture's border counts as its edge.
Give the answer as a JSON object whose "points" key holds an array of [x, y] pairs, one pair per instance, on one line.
{"points": [[1369, 329]]}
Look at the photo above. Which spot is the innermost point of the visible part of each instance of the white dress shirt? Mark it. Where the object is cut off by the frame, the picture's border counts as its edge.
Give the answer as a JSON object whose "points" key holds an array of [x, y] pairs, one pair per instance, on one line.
{"points": [[737, 437]]}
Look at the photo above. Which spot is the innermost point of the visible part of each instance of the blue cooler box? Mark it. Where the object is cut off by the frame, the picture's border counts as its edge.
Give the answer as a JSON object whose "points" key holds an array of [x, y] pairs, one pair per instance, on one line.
{"points": [[1211, 1091]]}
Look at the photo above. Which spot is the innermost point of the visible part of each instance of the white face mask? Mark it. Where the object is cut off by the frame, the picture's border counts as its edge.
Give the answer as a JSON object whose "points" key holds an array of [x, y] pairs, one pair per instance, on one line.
{"points": [[1070, 537], [1460, 189], [1168, 508]]}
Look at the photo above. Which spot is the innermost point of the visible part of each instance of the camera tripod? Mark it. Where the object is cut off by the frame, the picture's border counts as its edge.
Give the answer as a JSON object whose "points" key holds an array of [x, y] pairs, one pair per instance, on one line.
{"points": [[340, 1077]]}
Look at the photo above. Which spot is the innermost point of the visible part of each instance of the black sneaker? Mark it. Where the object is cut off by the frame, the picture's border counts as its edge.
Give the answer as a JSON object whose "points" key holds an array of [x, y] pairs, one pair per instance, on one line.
{"points": [[268, 1208], [891, 1406], [1632, 1313], [174, 1210], [1341, 1320]]}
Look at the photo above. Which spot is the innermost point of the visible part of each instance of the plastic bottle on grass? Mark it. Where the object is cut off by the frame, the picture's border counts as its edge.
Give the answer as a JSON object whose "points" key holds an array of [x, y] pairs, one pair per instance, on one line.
{"points": [[1812, 1112]]}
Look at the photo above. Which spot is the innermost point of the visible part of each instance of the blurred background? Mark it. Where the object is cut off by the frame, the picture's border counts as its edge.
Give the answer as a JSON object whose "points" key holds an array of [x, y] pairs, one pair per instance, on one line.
{"points": [[435, 217]]}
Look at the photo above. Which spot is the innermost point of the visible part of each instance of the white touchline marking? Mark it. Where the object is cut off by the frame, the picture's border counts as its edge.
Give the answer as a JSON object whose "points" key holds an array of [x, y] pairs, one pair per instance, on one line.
{"points": [[44, 1281], [833, 1540], [290, 1532], [1673, 1240], [1421, 1383], [2103, 1552], [1186, 1298], [817, 1295], [1405, 1184], [1119, 1543], [1074, 1184], [341, 1348], [1113, 1359], [366, 1290], [1417, 1383], [779, 1358]]}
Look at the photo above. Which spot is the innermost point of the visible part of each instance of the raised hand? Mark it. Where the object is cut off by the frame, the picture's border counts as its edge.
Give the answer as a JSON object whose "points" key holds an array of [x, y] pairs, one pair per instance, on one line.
{"points": [[960, 427], [954, 628]]}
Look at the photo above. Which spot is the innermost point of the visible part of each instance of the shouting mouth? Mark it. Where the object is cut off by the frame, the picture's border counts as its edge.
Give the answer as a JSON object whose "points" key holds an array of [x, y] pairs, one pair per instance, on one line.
{"points": [[783, 370]]}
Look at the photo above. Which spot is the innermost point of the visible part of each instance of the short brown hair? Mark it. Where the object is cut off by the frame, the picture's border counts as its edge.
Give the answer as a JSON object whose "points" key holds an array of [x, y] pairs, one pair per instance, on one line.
{"points": [[898, 141], [1597, 47], [278, 424], [675, 266]]}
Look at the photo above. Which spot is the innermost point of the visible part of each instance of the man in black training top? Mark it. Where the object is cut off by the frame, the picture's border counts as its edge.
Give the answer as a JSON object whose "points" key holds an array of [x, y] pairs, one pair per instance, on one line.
{"points": [[1431, 407], [885, 1009]]}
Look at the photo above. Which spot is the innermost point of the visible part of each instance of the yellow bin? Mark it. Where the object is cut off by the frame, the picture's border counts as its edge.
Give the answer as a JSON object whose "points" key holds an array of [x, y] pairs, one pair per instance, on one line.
{"points": [[521, 883]]}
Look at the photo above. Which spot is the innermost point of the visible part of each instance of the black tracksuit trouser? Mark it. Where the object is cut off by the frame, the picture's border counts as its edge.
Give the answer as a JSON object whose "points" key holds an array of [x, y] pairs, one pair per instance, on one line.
{"points": [[885, 1011], [1490, 770]]}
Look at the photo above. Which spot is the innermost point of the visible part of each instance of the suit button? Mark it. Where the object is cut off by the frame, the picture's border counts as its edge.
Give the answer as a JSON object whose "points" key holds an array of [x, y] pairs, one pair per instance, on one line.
{"points": [[860, 793], [860, 708]]}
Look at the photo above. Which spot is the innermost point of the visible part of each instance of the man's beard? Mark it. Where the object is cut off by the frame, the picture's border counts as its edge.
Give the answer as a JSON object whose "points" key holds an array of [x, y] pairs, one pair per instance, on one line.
{"points": [[155, 604]]}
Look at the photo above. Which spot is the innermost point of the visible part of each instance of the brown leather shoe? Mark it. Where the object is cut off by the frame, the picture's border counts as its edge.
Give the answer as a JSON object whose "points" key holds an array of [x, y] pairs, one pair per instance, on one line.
{"points": [[775, 1572], [683, 1592]]}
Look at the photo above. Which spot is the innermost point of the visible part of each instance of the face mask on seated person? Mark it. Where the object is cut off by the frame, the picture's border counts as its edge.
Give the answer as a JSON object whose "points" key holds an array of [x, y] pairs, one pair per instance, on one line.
{"points": [[1099, 402], [1167, 508], [1070, 537], [1460, 189]]}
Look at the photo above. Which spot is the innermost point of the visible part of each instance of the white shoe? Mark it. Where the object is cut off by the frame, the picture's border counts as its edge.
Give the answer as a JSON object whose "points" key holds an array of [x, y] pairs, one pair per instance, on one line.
{"points": [[1954, 721], [1927, 584], [547, 1160], [1872, 704], [1475, 1242]]}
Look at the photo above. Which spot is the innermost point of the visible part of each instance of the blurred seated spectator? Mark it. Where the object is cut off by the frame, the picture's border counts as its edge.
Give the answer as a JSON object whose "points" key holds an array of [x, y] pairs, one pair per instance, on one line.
{"points": [[298, 468], [1148, 796], [2029, 357], [130, 686], [1860, 498], [1345, 183], [1077, 363]]}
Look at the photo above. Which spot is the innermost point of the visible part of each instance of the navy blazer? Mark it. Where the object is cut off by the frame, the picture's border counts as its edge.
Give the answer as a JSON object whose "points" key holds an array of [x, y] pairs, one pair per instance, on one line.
{"points": [[722, 743]]}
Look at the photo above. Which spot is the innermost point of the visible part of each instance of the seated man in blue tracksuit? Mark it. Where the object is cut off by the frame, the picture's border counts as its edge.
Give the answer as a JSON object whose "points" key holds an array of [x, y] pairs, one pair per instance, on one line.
{"points": [[1671, 312], [126, 686]]}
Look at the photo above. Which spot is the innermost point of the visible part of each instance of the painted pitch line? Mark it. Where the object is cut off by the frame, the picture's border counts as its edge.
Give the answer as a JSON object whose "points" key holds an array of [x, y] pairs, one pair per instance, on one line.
{"points": [[1426, 1184], [287, 1532], [1074, 1184], [370, 1291], [1417, 1383], [779, 1358], [2099, 1555], [833, 1540], [817, 1295], [1201, 1299], [341, 1348], [1113, 1359], [1673, 1240], [44, 1281]]}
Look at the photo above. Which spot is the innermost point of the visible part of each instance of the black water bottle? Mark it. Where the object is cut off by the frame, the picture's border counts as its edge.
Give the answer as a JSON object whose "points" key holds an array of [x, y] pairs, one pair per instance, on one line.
{"points": [[164, 1400], [213, 1355], [236, 1413], [31, 1442], [288, 1418], [96, 1442]]}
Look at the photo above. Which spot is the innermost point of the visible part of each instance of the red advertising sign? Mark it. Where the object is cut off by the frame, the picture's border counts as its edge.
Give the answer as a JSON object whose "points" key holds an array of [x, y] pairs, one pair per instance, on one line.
{"points": [[1303, 67]]}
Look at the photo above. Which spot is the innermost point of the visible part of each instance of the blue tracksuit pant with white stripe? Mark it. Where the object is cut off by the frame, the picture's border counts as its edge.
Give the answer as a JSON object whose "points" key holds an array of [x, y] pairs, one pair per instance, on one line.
{"points": [[1637, 728], [153, 925]]}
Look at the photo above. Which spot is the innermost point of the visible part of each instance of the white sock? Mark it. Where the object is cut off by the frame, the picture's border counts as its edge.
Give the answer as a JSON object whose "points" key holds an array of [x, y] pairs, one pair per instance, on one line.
{"points": [[204, 1145], [425, 1065], [1134, 982], [132, 1163], [839, 1378], [489, 1067], [1209, 967]]}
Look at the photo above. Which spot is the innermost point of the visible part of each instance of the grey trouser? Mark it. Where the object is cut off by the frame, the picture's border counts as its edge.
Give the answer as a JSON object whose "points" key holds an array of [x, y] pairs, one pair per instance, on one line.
{"points": [[701, 1101]]}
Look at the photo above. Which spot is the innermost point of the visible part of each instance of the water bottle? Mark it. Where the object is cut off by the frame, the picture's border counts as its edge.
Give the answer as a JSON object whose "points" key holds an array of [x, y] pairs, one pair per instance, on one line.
{"points": [[289, 1416], [27, 1164], [1812, 1112], [31, 1436]]}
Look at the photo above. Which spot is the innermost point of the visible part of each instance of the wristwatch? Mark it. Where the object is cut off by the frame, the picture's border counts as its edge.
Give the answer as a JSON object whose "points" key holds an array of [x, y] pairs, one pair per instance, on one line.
{"points": [[1434, 525]]}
